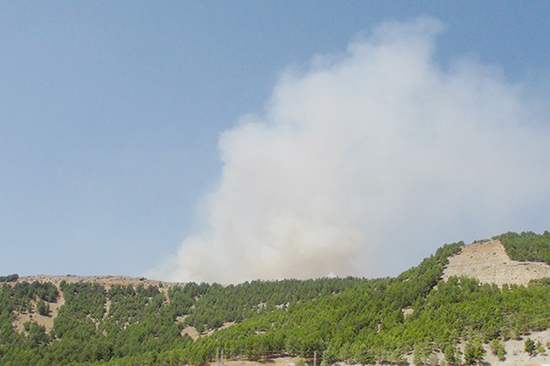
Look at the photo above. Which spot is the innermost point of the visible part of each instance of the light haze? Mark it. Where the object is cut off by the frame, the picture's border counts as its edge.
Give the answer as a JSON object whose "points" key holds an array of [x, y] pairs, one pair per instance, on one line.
{"points": [[221, 141]]}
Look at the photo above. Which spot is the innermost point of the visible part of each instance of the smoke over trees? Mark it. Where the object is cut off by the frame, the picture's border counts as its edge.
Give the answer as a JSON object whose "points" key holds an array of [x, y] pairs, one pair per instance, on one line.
{"points": [[362, 162]]}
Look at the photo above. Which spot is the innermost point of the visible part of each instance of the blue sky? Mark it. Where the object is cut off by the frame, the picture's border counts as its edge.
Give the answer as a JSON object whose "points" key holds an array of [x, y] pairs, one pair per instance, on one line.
{"points": [[111, 113]]}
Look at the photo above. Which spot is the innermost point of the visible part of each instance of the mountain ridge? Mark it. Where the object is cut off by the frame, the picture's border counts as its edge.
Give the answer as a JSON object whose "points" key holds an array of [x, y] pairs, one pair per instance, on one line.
{"points": [[426, 313], [106, 280]]}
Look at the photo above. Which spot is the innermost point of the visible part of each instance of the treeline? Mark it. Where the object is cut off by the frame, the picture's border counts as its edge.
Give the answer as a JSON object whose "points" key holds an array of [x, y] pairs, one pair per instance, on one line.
{"points": [[338, 319], [210, 306], [9, 278], [527, 246], [348, 326], [18, 297]]}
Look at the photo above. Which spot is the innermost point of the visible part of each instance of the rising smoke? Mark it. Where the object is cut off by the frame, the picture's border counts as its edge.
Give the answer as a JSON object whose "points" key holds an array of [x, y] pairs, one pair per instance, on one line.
{"points": [[363, 163]]}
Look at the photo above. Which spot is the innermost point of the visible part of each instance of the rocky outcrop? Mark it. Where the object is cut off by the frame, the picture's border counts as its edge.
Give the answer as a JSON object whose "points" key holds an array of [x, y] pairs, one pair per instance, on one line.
{"points": [[489, 263]]}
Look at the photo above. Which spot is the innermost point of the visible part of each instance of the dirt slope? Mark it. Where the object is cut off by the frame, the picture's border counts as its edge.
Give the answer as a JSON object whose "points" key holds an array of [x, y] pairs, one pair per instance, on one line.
{"points": [[489, 263], [46, 321]]}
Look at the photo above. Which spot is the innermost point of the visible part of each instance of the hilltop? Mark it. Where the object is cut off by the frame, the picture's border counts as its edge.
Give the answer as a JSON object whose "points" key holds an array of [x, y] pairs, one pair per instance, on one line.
{"points": [[455, 307], [105, 281]]}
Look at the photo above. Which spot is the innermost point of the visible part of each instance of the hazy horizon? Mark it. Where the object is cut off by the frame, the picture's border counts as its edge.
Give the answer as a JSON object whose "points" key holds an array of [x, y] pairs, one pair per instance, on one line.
{"points": [[207, 141]]}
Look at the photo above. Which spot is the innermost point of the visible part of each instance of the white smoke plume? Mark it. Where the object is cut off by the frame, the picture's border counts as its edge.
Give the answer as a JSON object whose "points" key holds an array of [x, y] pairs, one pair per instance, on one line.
{"points": [[365, 162]]}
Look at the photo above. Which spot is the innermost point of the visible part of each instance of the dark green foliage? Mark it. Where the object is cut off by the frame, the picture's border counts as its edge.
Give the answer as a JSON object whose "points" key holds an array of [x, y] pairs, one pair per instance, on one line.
{"points": [[9, 278], [452, 355], [215, 304], [45, 291], [18, 297], [348, 319], [474, 352], [330, 356], [527, 246], [530, 347], [37, 336], [497, 348], [43, 308], [84, 306]]}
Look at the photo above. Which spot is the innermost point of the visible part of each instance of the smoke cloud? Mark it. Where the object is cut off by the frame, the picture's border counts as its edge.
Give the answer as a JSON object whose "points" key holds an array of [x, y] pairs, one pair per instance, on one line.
{"points": [[363, 163]]}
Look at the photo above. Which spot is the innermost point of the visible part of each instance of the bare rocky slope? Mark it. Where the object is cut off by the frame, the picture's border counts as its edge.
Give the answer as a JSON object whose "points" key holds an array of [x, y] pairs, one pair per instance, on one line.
{"points": [[489, 263]]}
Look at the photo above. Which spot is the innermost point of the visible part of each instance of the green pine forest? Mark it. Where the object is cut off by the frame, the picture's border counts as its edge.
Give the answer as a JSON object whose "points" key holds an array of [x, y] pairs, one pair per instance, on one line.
{"points": [[337, 319]]}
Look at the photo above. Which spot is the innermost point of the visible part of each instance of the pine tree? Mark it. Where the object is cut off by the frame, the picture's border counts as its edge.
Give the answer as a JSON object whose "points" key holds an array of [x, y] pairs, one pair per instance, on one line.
{"points": [[43, 308], [530, 347], [474, 352], [497, 348]]}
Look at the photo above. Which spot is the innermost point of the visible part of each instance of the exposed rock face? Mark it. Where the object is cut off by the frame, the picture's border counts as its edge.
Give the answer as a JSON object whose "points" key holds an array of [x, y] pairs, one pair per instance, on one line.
{"points": [[489, 263]]}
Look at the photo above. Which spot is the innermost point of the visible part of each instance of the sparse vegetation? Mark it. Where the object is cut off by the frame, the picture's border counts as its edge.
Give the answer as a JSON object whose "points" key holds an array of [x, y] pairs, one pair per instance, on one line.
{"points": [[530, 347], [497, 348]]}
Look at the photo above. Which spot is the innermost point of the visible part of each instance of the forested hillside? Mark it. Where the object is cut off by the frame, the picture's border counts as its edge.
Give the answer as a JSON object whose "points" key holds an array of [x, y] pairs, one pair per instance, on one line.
{"points": [[527, 246], [338, 319]]}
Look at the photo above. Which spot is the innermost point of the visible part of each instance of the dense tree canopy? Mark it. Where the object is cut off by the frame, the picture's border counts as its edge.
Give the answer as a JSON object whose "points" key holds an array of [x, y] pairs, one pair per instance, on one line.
{"points": [[339, 319], [527, 246]]}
